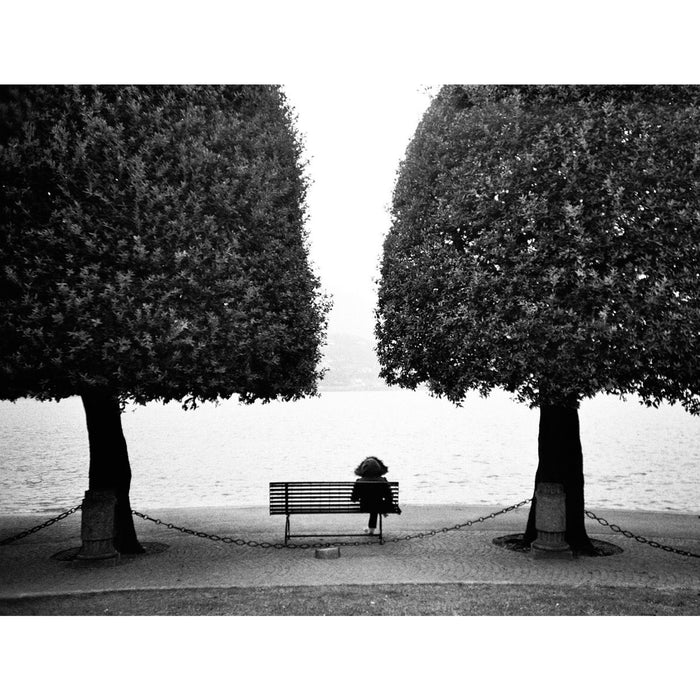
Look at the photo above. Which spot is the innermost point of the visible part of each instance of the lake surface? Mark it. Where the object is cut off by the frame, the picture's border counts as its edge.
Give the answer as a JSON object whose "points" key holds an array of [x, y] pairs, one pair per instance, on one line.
{"points": [[482, 453]]}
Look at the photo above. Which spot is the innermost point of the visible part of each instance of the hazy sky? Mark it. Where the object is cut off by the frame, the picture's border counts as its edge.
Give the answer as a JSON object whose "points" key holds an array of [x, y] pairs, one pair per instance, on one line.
{"points": [[355, 136]]}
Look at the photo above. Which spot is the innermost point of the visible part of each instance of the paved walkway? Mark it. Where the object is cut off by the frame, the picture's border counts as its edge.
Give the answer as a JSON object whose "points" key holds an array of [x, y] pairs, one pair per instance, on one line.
{"points": [[27, 567]]}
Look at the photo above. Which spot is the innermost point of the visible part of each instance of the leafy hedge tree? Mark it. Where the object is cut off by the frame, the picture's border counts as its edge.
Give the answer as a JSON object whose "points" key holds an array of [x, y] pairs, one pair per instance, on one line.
{"points": [[546, 240], [152, 247]]}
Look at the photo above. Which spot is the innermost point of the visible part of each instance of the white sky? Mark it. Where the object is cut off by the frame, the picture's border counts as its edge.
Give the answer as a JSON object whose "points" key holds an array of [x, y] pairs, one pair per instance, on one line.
{"points": [[355, 137]]}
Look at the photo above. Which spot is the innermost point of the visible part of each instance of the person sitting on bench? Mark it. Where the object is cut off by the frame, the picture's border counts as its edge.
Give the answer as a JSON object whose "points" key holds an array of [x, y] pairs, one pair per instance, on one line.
{"points": [[373, 492]]}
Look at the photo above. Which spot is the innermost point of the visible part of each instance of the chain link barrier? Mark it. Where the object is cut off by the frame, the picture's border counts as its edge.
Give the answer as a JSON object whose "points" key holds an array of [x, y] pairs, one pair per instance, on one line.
{"points": [[418, 535], [217, 538], [469, 523], [639, 538], [36, 528], [317, 545]]}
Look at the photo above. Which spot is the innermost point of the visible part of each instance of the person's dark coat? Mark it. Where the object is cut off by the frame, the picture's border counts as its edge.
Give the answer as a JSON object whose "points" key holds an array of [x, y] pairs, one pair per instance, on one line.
{"points": [[374, 495]]}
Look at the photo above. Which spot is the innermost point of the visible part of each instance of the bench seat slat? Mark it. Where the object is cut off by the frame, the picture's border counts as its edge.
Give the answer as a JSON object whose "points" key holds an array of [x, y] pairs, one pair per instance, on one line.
{"points": [[320, 487], [317, 486], [318, 496], [316, 509]]}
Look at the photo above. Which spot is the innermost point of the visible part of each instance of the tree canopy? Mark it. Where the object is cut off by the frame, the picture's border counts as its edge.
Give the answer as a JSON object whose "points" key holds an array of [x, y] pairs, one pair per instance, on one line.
{"points": [[152, 245], [546, 240]]}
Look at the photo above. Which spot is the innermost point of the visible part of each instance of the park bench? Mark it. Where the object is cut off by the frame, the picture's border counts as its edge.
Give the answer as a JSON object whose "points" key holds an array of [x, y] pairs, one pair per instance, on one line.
{"points": [[320, 497]]}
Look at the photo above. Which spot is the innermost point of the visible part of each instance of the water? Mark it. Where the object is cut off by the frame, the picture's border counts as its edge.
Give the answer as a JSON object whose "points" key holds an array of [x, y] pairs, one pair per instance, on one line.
{"points": [[482, 453]]}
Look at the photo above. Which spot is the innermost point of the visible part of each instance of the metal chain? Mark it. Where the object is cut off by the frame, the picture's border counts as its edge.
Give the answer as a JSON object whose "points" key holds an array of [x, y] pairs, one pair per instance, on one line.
{"points": [[277, 545], [639, 538], [263, 545], [481, 519], [418, 535], [215, 538], [36, 528]]}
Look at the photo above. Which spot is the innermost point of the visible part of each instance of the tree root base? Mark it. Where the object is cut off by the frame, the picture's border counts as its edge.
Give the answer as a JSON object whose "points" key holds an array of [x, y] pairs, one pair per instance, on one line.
{"points": [[598, 548], [148, 548]]}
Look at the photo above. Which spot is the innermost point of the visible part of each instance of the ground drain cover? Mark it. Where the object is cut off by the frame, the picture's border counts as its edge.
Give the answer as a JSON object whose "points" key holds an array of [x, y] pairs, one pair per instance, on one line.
{"points": [[150, 547], [515, 543]]}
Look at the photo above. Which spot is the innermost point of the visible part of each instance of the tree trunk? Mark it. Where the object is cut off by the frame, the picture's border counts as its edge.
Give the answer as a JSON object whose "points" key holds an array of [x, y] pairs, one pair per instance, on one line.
{"points": [[561, 462], [109, 463]]}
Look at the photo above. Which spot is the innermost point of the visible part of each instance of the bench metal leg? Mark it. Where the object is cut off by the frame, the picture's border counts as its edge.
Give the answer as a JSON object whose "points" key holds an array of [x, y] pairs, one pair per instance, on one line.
{"points": [[288, 532]]}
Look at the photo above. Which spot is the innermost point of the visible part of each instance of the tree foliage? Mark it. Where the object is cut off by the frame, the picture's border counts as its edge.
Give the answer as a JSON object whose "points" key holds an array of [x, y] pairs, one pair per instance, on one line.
{"points": [[546, 240], [152, 245]]}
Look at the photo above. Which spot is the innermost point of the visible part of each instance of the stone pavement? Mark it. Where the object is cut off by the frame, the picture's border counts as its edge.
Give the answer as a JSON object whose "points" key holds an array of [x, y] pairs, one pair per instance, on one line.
{"points": [[28, 567]]}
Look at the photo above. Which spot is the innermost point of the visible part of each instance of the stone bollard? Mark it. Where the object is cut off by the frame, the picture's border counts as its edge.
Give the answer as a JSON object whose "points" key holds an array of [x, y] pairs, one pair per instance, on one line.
{"points": [[550, 522], [97, 531], [327, 553]]}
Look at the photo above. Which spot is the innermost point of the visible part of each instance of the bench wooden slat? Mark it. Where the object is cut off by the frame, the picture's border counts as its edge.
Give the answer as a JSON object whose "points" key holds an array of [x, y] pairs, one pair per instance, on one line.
{"points": [[289, 498], [314, 511], [316, 494], [317, 486], [310, 503]]}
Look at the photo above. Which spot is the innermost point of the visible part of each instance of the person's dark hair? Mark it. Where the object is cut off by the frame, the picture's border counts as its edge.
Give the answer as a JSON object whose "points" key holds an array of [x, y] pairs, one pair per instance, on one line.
{"points": [[371, 466]]}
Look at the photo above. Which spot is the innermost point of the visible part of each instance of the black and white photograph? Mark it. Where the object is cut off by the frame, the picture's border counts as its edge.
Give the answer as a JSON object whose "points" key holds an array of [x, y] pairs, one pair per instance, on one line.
{"points": [[334, 345]]}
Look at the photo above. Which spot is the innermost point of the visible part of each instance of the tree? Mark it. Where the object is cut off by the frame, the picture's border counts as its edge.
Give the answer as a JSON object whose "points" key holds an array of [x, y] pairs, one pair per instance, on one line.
{"points": [[546, 240], [152, 247]]}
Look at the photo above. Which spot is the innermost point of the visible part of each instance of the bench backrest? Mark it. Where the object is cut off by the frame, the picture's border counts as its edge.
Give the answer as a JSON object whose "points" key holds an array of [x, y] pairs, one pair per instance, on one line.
{"points": [[288, 497]]}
